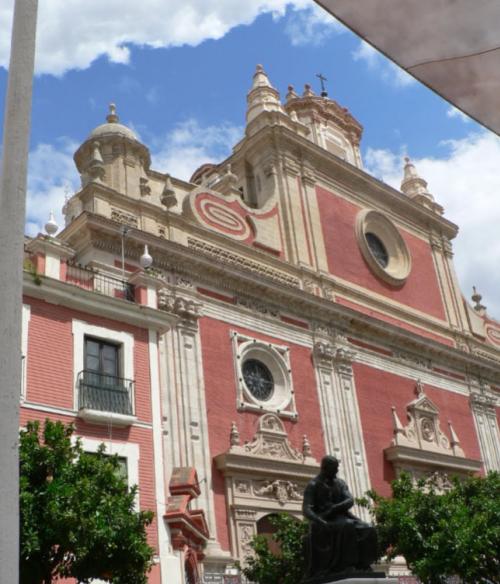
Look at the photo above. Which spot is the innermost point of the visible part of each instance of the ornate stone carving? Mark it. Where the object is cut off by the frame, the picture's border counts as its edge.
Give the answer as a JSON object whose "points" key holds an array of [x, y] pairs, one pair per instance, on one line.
{"points": [[412, 359], [246, 532], [340, 357], [242, 486], [324, 351], [423, 430], [257, 306], [283, 491], [270, 441], [234, 436], [166, 299], [483, 399], [123, 217], [185, 308], [309, 286], [144, 187], [247, 514], [227, 257]]}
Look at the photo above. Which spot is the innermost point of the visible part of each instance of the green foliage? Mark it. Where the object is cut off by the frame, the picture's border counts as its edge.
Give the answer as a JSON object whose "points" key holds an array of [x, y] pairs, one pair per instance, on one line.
{"points": [[286, 566], [77, 514], [442, 534]]}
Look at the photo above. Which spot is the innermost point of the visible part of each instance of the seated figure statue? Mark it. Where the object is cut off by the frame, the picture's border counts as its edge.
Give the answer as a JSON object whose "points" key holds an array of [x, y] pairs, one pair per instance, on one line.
{"points": [[339, 545]]}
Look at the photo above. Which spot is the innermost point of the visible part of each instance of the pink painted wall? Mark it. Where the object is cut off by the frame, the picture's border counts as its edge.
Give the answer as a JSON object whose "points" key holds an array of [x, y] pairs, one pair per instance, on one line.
{"points": [[378, 391], [220, 388], [421, 289]]}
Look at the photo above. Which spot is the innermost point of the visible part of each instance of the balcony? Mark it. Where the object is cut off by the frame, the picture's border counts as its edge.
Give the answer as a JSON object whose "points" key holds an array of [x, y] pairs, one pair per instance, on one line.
{"points": [[105, 399], [92, 280]]}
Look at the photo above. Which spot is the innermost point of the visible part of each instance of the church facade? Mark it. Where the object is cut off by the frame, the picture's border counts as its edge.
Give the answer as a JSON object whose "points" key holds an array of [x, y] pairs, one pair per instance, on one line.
{"points": [[221, 335]]}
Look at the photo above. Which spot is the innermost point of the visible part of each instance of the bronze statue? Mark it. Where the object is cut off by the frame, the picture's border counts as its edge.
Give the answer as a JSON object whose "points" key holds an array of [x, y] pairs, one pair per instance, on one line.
{"points": [[339, 545]]}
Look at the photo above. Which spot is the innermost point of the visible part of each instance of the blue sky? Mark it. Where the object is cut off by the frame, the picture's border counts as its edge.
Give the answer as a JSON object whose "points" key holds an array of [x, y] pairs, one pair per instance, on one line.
{"points": [[179, 73]]}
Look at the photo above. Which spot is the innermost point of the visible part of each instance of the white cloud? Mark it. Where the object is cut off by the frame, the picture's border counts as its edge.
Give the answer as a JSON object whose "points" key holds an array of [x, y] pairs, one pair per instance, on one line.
{"points": [[311, 26], [467, 183], [72, 34], [453, 112], [190, 145], [52, 173], [377, 62]]}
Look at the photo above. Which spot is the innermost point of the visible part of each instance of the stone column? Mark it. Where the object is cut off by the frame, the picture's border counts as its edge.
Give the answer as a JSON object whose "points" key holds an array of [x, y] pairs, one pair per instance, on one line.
{"points": [[17, 120]]}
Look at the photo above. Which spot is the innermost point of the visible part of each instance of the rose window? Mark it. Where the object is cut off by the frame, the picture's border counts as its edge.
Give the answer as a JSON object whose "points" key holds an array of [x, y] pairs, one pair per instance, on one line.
{"points": [[258, 379]]}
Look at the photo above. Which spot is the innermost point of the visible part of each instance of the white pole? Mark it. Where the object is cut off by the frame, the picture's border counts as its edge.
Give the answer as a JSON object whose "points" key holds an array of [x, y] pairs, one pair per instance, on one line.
{"points": [[17, 121]]}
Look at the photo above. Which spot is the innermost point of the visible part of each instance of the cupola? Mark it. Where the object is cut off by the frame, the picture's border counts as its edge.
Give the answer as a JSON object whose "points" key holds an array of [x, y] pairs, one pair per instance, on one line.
{"points": [[112, 155], [331, 126]]}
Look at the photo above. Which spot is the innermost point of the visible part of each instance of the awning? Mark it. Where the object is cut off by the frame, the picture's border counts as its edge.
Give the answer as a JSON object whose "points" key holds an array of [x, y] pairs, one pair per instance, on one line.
{"points": [[452, 46]]}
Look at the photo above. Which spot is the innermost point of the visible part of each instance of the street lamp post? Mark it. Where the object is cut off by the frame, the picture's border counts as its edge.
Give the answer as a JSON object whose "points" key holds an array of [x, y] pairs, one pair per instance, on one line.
{"points": [[17, 121]]}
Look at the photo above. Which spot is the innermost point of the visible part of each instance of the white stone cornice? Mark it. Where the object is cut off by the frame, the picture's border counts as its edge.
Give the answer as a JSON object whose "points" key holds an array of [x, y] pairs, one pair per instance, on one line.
{"points": [[403, 456], [231, 277], [57, 292]]}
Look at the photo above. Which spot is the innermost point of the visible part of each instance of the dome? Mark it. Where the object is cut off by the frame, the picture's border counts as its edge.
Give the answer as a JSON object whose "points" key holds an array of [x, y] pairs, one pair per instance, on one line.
{"points": [[112, 127]]}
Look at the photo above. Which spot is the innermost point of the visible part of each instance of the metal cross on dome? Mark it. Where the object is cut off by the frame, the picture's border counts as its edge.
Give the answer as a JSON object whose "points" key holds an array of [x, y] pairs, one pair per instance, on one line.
{"points": [[322, 80]]}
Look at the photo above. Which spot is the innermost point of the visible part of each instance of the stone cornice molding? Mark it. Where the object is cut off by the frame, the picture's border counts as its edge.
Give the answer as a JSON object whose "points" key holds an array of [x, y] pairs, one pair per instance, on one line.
{"points": [[45, 243], [57, 292], [404, 456], [178, 258], [215, 245]]}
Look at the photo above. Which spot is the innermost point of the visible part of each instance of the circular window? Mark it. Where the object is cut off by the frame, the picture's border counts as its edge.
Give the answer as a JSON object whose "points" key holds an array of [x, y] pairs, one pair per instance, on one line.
{"points": [[264, 380], [378, 249], [382, 246], [258, 379]]}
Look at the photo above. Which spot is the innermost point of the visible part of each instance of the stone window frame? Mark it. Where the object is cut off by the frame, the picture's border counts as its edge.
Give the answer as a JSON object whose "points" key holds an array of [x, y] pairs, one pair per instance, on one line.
{"points": [[399, 265], [125, 340], [277, 360], [126, 450]]}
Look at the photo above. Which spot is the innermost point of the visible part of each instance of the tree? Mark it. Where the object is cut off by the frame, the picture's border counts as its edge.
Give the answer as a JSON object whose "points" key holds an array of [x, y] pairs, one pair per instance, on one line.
{"points": [[455, 532], [77, 513], [284, 567]]}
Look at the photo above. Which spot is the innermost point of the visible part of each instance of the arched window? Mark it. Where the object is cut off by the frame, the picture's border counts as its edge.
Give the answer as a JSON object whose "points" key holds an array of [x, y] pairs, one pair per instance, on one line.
{"points": [[266, 528]]}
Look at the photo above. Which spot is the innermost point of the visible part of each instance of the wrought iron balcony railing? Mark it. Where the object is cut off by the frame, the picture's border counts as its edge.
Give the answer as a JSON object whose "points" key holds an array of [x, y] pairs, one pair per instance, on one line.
{"points": [[90, 279], [105, 393]]}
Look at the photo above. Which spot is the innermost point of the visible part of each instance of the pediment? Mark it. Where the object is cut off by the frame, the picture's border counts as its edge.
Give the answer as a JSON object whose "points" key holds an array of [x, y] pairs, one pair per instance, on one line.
{"points": [[269, 452]]}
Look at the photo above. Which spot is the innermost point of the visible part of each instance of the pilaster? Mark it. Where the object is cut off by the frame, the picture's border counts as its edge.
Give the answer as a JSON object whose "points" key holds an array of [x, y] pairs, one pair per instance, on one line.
{"points": [[340, 412], [483, 405], [450, 290], [185, 424]]}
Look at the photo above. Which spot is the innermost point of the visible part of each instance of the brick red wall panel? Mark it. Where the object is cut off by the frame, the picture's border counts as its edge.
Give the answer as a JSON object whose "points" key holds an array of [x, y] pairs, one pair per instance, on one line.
{"points": [[378, 391], [220, 387], [421, 289], [386, 318], [50, 383], [50, 356]]}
